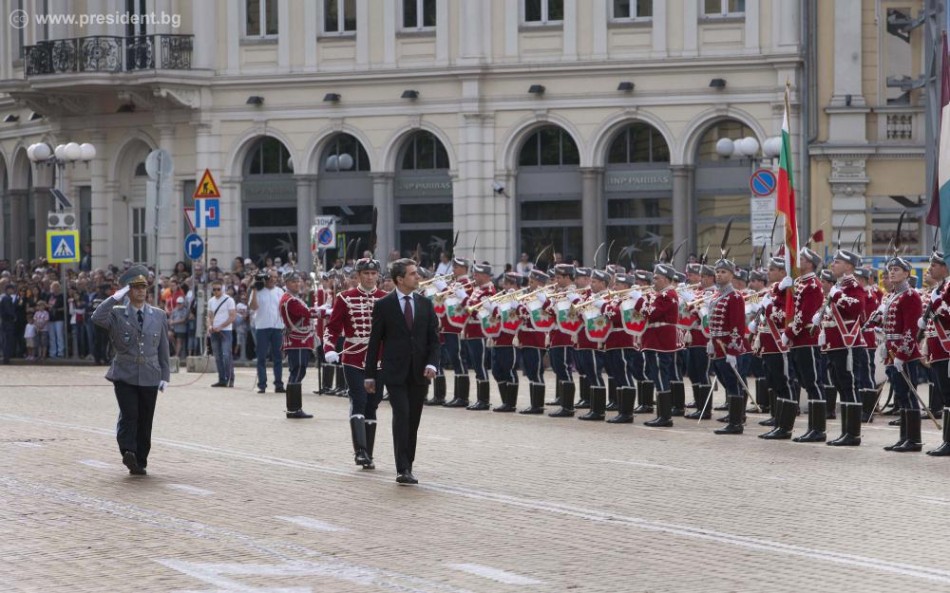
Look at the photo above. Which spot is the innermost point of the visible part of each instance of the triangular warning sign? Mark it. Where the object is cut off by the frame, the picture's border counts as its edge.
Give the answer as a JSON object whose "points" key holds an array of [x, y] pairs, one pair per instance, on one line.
{"points": [[207, 188], [63, 250]]}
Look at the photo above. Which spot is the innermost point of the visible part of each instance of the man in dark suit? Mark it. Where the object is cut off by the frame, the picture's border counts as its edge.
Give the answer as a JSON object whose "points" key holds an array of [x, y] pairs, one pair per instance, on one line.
{"points": [[405, 329], [8, 321]]}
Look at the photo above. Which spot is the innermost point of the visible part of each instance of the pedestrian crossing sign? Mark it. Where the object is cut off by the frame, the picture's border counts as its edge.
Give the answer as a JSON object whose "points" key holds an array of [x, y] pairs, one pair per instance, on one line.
{"points": [[62, 247]]}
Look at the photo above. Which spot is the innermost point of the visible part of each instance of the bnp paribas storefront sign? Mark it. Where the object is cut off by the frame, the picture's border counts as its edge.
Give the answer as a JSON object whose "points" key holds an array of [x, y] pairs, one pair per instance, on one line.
{"points": [[423, 187], [631, 181]]}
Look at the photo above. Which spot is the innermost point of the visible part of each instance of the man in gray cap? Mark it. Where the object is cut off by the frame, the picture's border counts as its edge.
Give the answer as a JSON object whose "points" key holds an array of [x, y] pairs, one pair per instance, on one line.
{"points": [[140, 369]]}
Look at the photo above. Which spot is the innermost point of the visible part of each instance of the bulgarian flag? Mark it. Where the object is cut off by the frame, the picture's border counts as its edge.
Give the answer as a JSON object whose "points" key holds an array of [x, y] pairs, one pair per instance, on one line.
{"points": [[939, 214], [785, 204]]}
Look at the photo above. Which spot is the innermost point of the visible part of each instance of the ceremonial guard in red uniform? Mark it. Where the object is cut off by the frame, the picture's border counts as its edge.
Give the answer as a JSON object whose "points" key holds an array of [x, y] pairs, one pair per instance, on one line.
{"points": [[561, 350], [939, 315], [586, 351], [352, 319], [474, 337], [619, 341], [660, 310], [299, 341], [450, 333], [937, 350], [867, 278], [727, 341], [902, 310], [697, 359], [318, 301], [800, 336], [533, 340], [841, 320], [504, 367]]}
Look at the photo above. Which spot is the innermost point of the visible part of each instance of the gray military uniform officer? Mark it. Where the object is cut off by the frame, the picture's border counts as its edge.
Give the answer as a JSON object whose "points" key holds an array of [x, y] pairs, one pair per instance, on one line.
{"points": [[139, 334]]}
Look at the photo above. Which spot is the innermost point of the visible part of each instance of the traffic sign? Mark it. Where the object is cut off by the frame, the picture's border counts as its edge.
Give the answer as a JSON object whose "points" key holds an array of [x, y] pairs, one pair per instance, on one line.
{"points": [[323, 233], [762, 183], [207, 213], [158, 164], [62, 247], [206, 188], [194, 246]]}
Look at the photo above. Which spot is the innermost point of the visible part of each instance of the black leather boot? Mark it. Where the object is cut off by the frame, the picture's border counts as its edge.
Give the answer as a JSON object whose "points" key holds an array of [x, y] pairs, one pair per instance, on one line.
{"points": [[358, 432], [438, 392], [785, 421], [868, 401], [944, 449], [598, 403], [912, 442], [584, 401], [850, 425], [664, 411], [761, 397], [294, 399], [817, 423], [700, 395], [536, 396], [557, 394], [723, 407], [678, 391], [736, 413], [903, 432], [625, 399], [773, 409], [327, 379], [567, 401], [504, 389], [831, 397], [482, 396], [612, 405], [645, 395], [370, 443], [462, 386], [341, 388]]}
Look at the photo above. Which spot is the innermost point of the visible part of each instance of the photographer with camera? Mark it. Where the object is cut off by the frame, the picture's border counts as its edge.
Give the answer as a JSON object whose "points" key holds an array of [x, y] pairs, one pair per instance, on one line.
{"points": [[264, 300]]}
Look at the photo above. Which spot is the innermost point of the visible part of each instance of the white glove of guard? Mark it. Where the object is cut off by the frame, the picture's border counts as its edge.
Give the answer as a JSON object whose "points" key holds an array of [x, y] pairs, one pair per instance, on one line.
{"points": [[687, 296], [752, 327], [162, 385], [921, 323], [935, 295], [542, 298], [765, 302], [332, 357], [710, 349], [599, 303], [882, 309], [636, 295], [834, 290], [573, 297], [822, 340], [119, 294], [784, 340], [704, 311], [816, 319], [785, 283], [899, 365], [440, 285], [731, 360], [460, 293]]}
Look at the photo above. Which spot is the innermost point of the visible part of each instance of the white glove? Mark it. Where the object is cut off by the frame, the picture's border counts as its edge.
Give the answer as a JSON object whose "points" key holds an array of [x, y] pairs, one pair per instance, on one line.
{"points": [[751, 309], [921, 323], [636, 295], [765, 302], [460, 293], [785, 283], [882, 309], [162, 385], [687, 296], [542, 298], [704, 311], [119, 294], [731, 360], [899, 365], [784, 340], [834, 290], [935, 295], [332, 357], [822, 340], [816, 319], [440, 285], [573, 297], [710, 349], [599, 303], [752, 327]]}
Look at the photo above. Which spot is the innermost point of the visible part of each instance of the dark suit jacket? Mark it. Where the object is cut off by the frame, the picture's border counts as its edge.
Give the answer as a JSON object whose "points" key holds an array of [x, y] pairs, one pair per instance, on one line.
{"points": [[405, 354]]}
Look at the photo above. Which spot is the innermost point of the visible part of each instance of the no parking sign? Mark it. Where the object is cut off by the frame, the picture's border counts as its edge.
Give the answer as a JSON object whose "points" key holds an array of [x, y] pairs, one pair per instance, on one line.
{"points": [[323, 233]]}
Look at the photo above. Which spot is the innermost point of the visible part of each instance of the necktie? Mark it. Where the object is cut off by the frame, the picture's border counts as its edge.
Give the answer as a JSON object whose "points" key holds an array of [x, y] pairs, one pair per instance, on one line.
{"points": [[408, 311], [141, 320]]}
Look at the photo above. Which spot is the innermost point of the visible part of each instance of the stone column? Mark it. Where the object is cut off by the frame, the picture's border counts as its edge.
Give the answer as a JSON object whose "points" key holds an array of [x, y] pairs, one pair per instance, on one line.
{"points": [[204, 25], [18, 218], [100, 203], [682, 212], [850, 210], [170, 239], [306, 185], [386, 222], [119, 245], [42, 204], [592, 205]]}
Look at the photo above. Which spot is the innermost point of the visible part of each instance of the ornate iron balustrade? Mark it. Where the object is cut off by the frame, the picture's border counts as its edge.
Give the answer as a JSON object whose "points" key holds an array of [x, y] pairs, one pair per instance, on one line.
{"points": [[106, 53]]}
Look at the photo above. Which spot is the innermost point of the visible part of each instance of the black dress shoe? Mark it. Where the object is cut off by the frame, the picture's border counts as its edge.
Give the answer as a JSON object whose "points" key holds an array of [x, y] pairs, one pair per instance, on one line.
{"points": [[896, 422], [280, 389], [128, 458], [261, 390], [362, 458], [299, 414], [479, 406], [581, 405], [369, 464], [219, 384], [406, 478], [812, 436]]}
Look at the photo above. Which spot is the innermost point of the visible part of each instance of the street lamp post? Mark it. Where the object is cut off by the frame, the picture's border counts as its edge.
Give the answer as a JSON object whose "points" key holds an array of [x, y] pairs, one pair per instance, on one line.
{"points": [[71, 153]]}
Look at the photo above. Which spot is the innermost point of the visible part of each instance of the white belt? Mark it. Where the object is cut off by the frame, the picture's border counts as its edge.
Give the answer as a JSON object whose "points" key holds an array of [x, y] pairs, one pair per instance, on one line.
{"points": [[357, 340]]}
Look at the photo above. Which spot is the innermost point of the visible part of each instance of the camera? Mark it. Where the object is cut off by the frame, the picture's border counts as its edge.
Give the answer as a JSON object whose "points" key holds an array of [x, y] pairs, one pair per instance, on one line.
{"points": [[259, 280]]}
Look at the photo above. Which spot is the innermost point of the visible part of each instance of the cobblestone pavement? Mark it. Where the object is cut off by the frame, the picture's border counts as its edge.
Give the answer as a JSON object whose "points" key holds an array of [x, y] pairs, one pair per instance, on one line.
{"points": [[238, 498]]}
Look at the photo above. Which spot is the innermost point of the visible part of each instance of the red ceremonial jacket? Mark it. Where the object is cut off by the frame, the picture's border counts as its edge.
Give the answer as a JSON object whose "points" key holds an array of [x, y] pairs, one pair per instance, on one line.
{"points": [[527, 336], [844, 317], [872, 300], [473, 325], [298, 324], [559, 338], [583, 341], [618, 338], [465, 283], [352, 318], [727, 327], [902, 309], [938, 330], [661, 311], [317, 299], [772, 322], [808, 299], [698, 336]]}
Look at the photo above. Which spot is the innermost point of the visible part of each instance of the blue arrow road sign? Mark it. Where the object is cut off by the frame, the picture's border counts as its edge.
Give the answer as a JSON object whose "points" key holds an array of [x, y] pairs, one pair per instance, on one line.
{"points": [[194, 246]]}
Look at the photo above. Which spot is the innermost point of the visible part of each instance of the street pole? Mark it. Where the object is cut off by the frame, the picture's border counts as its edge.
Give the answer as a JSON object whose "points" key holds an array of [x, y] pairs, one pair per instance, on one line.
{"points": [[58, 170], [158, 193]]}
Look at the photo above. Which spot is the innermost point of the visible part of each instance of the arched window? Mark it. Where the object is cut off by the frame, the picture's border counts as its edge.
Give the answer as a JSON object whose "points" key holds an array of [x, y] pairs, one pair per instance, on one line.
{"points": [[269, 156], [638, 143], [424, 151], [549, 146], [348, 147]]}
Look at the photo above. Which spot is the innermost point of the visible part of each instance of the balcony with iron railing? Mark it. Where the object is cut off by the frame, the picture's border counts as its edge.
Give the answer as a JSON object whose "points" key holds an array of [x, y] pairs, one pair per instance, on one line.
{"points": [[110, 54]]}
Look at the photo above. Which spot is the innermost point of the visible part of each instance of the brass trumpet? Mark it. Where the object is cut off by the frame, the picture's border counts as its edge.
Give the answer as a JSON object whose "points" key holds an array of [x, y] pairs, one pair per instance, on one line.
{"points": [[435, 279], [500, 297]]}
